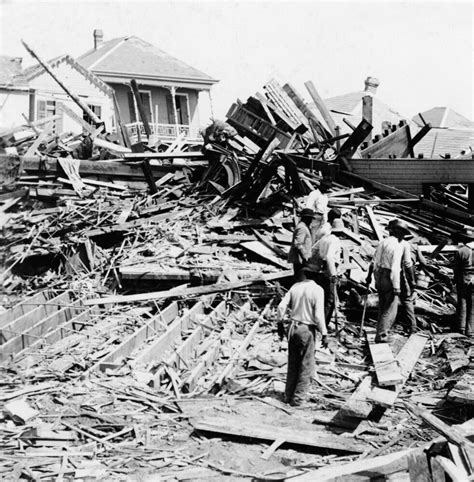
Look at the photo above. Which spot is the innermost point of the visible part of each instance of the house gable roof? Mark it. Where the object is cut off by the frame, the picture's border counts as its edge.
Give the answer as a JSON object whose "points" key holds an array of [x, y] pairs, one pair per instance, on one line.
{"points": [[350, 106], [36, 70], [438, 142], [11, 73], [444, 117], [132, 57]]}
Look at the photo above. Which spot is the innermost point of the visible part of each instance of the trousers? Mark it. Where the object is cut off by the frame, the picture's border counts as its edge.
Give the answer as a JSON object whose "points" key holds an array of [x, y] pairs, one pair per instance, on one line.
{"points": [[301, 364], [464, 308], [388, 303], [329, 285]]}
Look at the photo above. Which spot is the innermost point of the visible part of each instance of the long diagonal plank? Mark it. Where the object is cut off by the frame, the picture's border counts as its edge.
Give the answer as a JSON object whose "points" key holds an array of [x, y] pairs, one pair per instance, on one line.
{"points": [[193, 291], [246, 427], [126, 348], [25, 306], [407, 358], [386, 367], [183, 354], [17, 326], [28, 336]]}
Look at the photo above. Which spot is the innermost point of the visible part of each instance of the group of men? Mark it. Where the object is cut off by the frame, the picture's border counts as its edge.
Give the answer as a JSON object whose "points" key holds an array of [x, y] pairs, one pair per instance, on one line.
{"points": [[316, 254]]}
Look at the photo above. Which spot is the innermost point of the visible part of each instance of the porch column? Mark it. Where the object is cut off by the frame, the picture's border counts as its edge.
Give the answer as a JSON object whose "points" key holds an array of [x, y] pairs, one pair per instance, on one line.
{"points": [[175, 111], [210, 104]]}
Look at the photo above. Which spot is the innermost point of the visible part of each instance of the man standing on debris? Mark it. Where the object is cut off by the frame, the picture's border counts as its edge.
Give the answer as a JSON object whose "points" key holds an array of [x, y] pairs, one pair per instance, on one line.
{"points": [[306, 300], [317, 200], [300, 250], [329, 253], [463, 269], [407, 280], [386, 268]]}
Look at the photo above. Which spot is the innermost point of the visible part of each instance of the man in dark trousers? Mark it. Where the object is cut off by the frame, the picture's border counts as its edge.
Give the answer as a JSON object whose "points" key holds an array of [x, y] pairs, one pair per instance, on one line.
{"points": [[306, 301], [463, 269], [387, 266], [300, 250]]}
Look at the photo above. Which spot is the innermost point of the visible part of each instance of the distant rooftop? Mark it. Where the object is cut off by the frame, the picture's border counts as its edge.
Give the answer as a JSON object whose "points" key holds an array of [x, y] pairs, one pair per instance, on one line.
{"points": [[444, 117], [11, 73]]}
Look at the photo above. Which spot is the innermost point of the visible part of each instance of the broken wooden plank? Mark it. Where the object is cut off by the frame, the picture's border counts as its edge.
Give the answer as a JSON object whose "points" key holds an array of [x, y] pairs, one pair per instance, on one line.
{"points": [[321, 107], [187, 292], [25, 306], [17, 326], [243, 427], [139, 336], [266, 253], [407, 359], [375, 225], [357, 405], [386, 367]]}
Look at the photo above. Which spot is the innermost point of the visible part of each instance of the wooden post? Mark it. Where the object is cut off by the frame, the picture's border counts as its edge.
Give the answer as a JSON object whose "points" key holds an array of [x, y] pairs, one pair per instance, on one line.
{"points": [[73, 96], [140, 107], [321, 106]]}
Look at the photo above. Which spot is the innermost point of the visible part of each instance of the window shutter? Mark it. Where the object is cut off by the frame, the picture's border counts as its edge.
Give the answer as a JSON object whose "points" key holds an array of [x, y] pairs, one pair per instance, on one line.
{"points": [[41, 109]]}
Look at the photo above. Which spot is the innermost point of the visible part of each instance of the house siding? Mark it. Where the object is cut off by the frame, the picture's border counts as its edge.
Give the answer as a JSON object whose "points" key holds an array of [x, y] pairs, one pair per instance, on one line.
{"points": [[47, 89], [12, 105]]}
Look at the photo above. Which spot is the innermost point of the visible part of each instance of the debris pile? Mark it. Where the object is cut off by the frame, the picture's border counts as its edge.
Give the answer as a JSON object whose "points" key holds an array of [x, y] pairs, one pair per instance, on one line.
{"points": [[141, 288]]}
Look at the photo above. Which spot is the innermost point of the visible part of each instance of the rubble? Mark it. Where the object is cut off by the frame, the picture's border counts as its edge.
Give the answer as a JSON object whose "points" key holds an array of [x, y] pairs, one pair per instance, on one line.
{"points": [[140, 290]]}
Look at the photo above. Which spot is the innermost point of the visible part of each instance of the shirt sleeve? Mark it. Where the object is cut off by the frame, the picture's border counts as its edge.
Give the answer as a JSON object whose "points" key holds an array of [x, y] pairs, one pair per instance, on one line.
{"points": [[396, 265], [283, 306], [333, 256], [300, 242], [407, 259], [319, 311]]}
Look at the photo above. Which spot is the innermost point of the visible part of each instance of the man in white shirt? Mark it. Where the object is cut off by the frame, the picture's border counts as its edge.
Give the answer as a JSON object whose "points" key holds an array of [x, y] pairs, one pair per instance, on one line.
{"points": [[387, 265], [306, 300], [317, 200]]}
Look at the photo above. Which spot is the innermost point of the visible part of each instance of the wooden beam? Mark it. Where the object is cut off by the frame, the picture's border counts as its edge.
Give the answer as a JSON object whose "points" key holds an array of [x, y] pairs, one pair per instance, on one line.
{"points": [[23, 307], [194, 291], [39, 329], [321, 107], [357, 405], [17, 326], [386, 367], [76, 118], [308, 437], [141, 110], [266, 253], [375, 225], [407, 359], [137, 338], [73, 96]]}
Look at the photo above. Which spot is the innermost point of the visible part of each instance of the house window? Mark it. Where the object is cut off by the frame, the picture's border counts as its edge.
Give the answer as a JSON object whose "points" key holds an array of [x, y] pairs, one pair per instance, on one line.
{"points": [[46, 108], [182, 109], [96, 109], [145, 96]]}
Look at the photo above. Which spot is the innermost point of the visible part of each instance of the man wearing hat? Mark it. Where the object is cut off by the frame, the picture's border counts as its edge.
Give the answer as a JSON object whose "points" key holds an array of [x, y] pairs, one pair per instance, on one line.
{"points": [[328, 250], [306, 301], [300, 250], [386, 266], [317, 200], [407, 281], [463, 269]]}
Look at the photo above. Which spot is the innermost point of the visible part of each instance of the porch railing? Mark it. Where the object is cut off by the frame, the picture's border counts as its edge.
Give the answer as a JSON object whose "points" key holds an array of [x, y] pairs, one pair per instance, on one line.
{"points": [[163, 131]]}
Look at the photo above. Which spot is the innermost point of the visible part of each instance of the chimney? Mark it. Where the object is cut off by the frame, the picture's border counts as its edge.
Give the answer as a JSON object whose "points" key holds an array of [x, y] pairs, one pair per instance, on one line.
{"points": [[98, 38], [371, 84]]}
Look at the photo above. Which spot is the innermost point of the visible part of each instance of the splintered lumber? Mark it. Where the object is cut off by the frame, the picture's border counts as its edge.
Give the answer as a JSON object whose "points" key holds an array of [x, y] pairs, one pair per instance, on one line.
{"points": [[156, 350], [386, 367], [138, 156], [194, 291], [321, 107], [244, 427], [463, 391], [25, 306], [184, 353], [367, 468], [264, 252], [60, 331], [77, 118], [452, 434], [137, 338], [375, 225], [406, 358], [18, 325], [38, 330], [357, 405]]}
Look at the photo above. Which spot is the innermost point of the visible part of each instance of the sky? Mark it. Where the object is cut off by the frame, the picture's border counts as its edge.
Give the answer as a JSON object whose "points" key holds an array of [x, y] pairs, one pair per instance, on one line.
{"points": [[422, 52]]}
